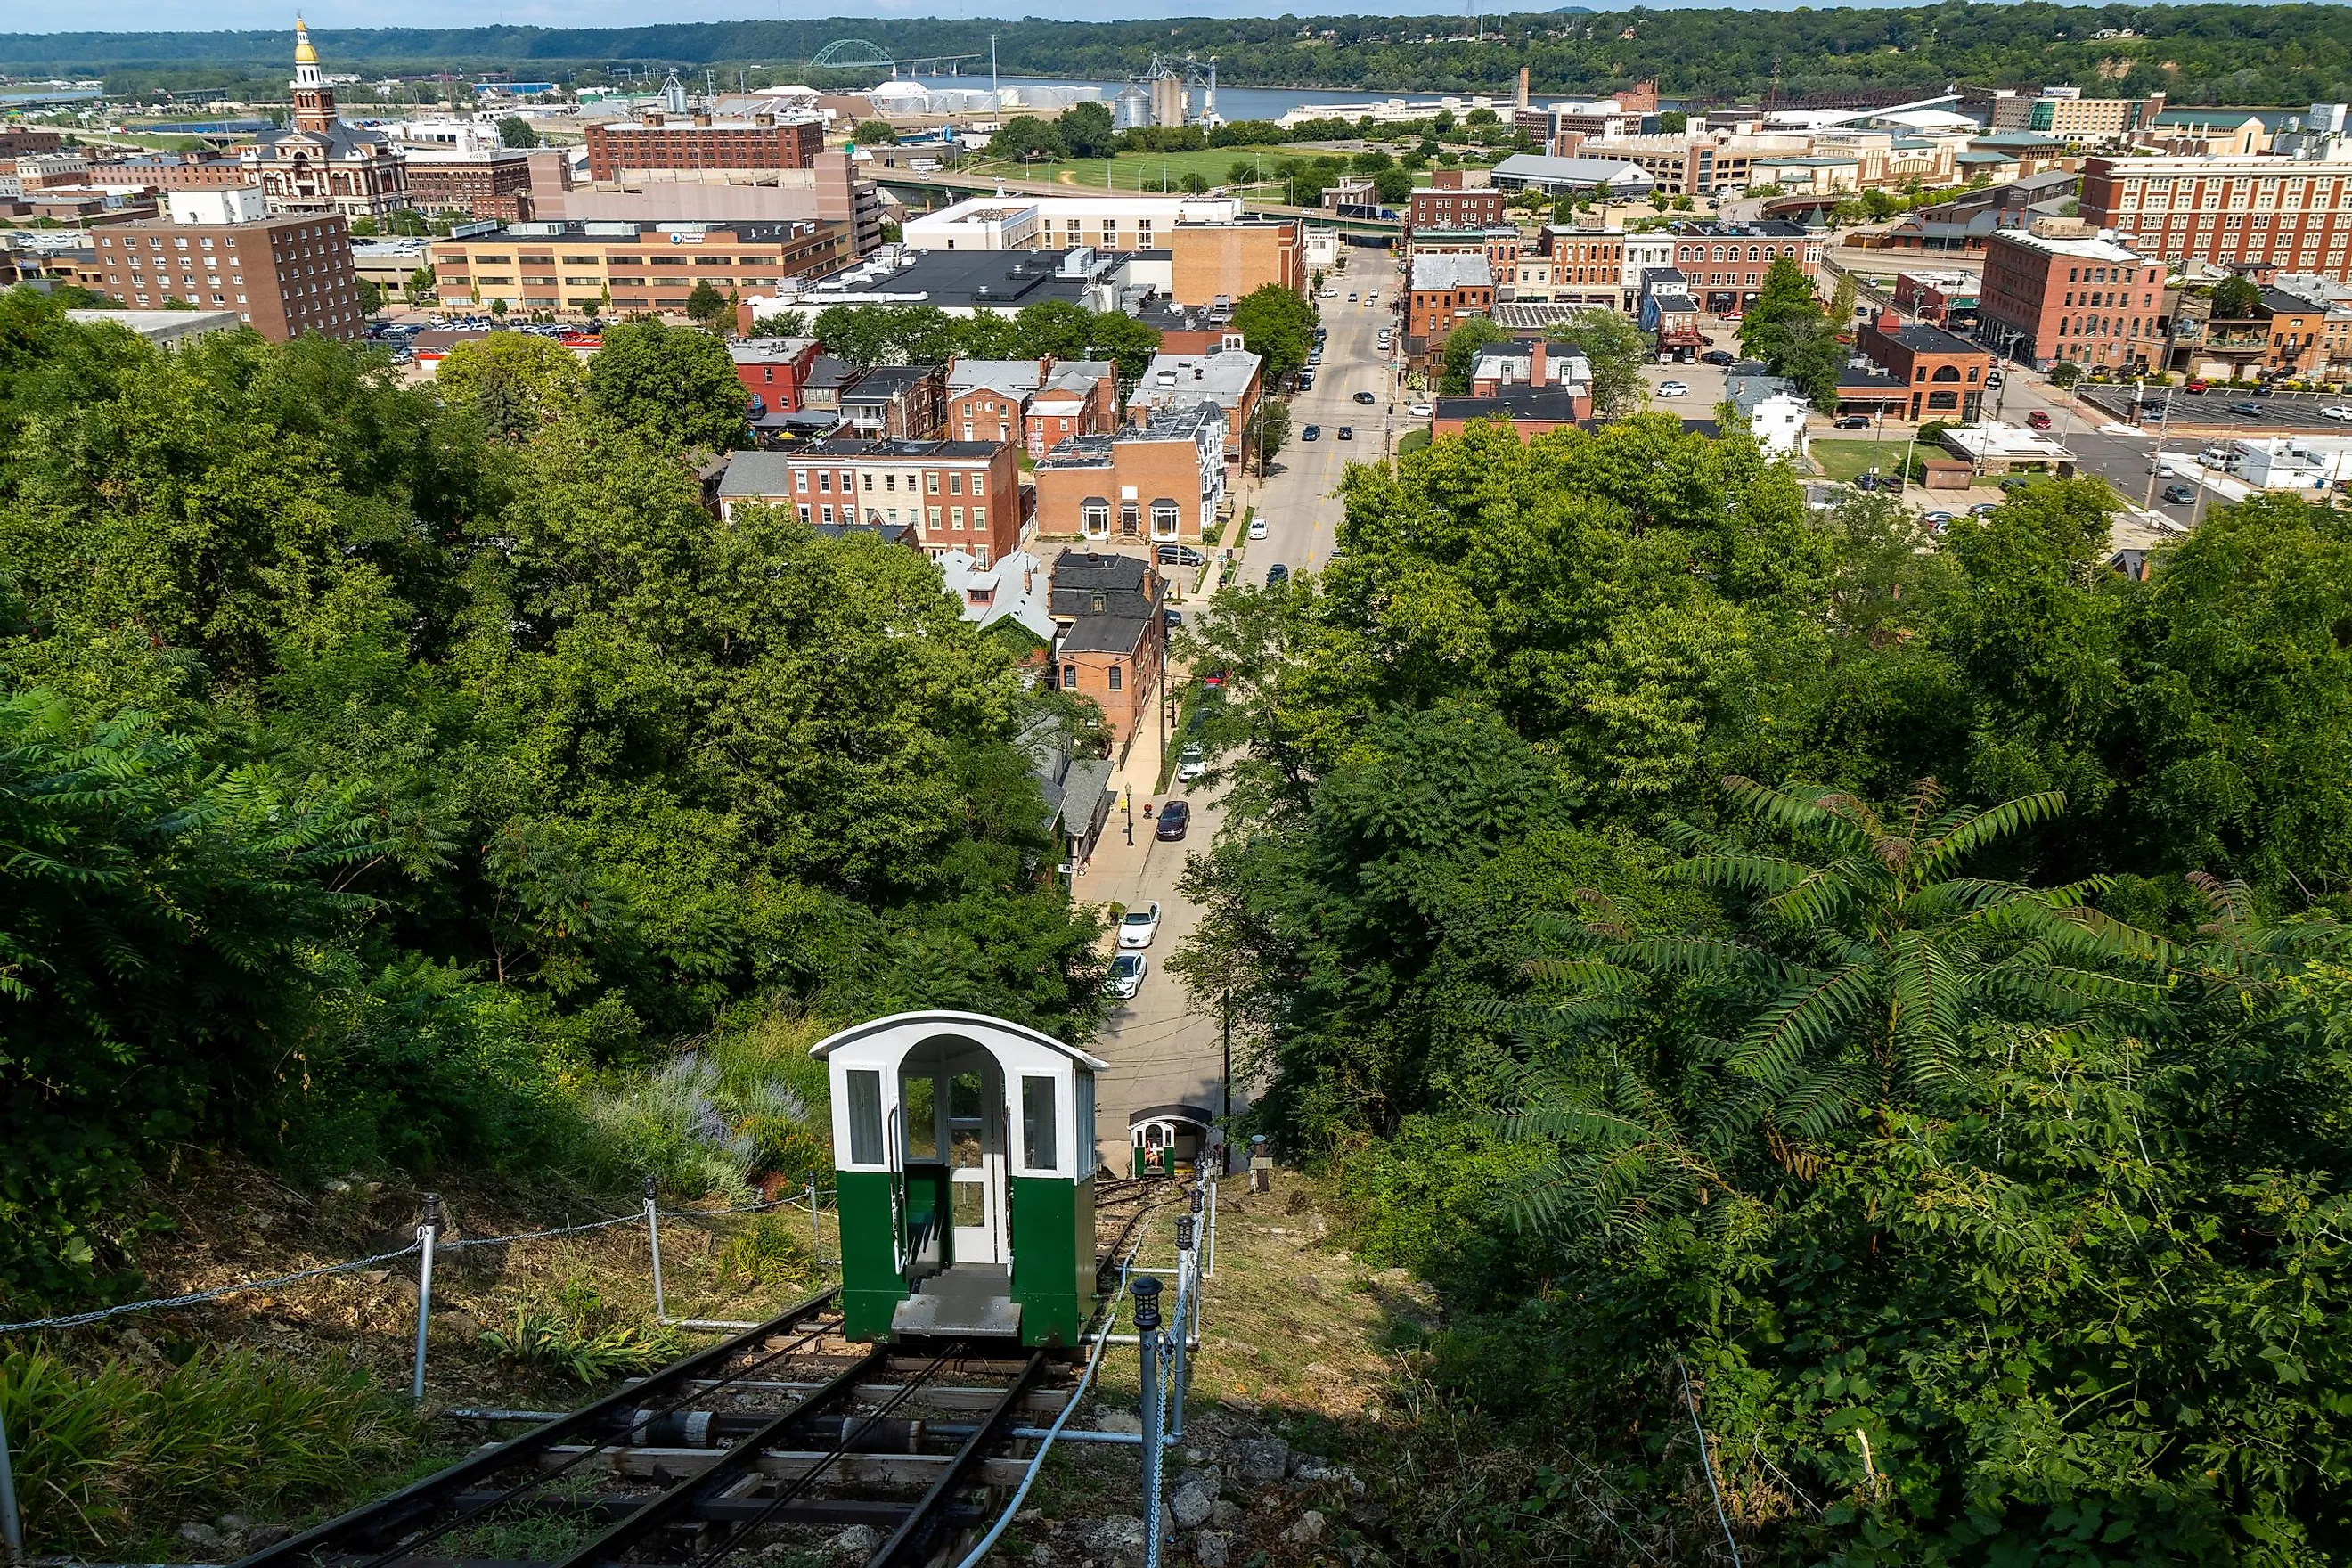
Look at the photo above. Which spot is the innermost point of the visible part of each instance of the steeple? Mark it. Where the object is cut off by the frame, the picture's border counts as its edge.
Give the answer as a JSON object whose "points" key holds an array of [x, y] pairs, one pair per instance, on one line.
{"points": [[314, 101]]}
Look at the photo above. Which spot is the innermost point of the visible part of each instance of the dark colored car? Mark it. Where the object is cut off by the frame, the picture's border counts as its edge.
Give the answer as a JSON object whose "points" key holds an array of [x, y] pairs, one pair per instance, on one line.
{"points": [[1872, 482], [1346, 432], [1175, 819], [2247, 410], [1181, 555], [1715, 356], [2266, 390], [1172, 616], [1852, 421], [1277, 574], [1366, 398], [2180, 495], [1311, 433]]}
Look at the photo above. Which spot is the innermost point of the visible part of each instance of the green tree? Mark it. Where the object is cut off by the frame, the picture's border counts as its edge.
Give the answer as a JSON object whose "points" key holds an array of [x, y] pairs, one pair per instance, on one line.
{"points": [[1125, 341], [1054, 328], [1024, 137], [1393, 185], [1616, 349], [873, 133], [2236, 299], [1086, 131], [673, 384], [1267, 429], [514, 130], [420, 285], [1277, 324], [1461, 353], [2065, 375], [371, 297], [707, 307], [515, 383]]}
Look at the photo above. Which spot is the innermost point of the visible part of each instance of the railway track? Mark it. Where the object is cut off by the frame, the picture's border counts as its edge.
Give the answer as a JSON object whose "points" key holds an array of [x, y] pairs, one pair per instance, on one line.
{"points": [[784, 1433]]}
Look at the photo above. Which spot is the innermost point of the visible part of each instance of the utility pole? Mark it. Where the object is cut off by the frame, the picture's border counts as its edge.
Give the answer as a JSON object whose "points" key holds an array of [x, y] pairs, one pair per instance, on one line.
{"points": [[2156, 461]]}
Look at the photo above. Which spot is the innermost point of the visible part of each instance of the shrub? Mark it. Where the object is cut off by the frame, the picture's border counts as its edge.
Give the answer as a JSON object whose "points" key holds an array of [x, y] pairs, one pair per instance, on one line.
{"points": [[578, 1332]]}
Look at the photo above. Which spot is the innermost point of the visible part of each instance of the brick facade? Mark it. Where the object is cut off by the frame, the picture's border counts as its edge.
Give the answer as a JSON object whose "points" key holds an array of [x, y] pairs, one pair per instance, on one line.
{"points": [[284, 276], [660, 142]]}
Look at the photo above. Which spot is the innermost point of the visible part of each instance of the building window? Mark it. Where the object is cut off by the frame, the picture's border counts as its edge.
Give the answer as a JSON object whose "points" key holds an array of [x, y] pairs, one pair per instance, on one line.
{"points": [[1114, 676], [980, 519], [1069, 678]]}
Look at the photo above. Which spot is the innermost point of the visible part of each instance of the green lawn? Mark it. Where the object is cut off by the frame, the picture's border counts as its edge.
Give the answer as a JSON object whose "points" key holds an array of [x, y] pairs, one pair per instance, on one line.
{"points": [[1845, 459], [1136, 171]]}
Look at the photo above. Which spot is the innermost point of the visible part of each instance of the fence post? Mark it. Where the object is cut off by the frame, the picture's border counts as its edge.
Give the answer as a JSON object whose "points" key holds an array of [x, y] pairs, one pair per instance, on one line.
{"points": [[653, 1239], [1187, 1287], [1209, 1238], [12, 1527], [1147, 1334], [427, 1235], [816, 1237]]}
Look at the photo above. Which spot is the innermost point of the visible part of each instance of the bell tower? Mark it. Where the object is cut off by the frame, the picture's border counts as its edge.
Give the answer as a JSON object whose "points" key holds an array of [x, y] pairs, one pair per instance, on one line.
{"points": [[314, 101]]}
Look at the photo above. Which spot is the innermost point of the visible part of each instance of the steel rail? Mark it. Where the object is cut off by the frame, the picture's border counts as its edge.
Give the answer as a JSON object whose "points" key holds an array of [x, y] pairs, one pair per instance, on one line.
{"points": [[373, 1522], [913, 1541], [679, 1501]]}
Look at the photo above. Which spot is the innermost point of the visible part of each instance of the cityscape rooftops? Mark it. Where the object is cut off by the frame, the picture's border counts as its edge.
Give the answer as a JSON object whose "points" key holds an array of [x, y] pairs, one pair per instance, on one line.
{"points": [[1929, 340], [1221, 377], [1452, 269], [2080, 247], [1178, 422], [629, 231], [1007, 376]]}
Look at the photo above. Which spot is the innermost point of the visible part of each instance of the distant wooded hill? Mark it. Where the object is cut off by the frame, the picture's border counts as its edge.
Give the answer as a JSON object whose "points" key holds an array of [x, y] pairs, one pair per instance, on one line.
{"points": [[2237, 55]]}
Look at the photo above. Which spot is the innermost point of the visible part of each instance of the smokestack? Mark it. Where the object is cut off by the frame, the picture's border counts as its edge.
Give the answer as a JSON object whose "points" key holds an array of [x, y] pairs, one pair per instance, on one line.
{"points": [[1535, 363], [1523, 87]]}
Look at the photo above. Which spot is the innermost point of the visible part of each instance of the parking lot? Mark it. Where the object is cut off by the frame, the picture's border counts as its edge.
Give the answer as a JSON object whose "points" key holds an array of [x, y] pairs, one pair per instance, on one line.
{"points": [[2283, 413], [1705, 384]]}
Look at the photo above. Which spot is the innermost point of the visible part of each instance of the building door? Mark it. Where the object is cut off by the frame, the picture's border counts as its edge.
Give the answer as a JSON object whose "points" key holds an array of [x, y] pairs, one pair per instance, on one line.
{"points": [[976, 1164]]}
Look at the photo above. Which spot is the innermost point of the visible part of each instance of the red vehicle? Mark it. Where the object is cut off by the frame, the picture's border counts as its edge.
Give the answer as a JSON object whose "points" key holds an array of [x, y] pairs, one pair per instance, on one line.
{"points": [[2195, 388], [2038, 420]]}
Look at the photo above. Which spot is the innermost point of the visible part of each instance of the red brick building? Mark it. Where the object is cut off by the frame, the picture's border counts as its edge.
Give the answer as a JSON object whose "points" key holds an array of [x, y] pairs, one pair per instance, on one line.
{"points": [[773, 371], [1161, 480], [283, 276], [1946, 373], [1110, 642], [23, 143], [958, 495], [1440, 208], [658, 141], [487, 185], [1725, 262], [1448, 287], [1080, 398], [2234, 212], [2060, 292]]}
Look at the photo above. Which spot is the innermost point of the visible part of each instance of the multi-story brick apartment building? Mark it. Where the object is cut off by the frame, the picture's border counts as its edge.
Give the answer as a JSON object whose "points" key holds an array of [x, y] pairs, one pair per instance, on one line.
{"points": [[482, 185], [2061, 291], [221, 250], [1588, 265], [700, 142], [1161, 480], [1228, 377], [2232, 212], [24, 141], [575, 268], [1440, 208], [1725, 262], [958, 495], [1110, 642], [773, 371], [897, 402], [1079, 398], [1447, 289]]}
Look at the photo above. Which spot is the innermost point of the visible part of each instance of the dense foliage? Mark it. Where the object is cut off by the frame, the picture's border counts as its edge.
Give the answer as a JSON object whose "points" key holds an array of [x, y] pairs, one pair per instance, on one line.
{"points": [[384, 773], [1973, 1174], [2284, 55]]}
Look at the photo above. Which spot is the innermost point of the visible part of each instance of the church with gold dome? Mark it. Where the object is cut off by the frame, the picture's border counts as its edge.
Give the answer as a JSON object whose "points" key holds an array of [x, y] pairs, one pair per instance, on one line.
{"points": [[320, 164]]}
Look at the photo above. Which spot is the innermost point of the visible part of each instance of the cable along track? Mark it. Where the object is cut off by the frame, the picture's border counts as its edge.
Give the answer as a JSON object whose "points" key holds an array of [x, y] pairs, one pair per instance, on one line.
{"points": [[784, 1430]]}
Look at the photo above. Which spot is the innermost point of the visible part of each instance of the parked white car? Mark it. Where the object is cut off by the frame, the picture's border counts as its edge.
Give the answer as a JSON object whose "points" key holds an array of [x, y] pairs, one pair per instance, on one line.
{"points": [[1127, 973], [2336, 411], [1672, 389], [1257, 528], [1138, 927], [1191, 763], [1421, 410]]}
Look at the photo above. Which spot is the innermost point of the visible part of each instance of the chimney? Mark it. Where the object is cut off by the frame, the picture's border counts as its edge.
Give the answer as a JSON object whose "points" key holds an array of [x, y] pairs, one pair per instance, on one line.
{"points": [[1523, 87], [763, 120], [651, 117], [702, 117], [1890, 321], [1535, 363]]}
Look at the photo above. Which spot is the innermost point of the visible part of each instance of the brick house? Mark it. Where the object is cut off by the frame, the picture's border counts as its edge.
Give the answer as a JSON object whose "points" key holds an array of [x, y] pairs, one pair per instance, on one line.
{"points": [[1228, 378], [1448, 287], [958, 495], [1725, 262], [774, 372], [1079, 398], [897, 401], [1454, 209], [1108, 637], [988, 399], [1163, 479], [2059, 290], [1945, 371]]}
